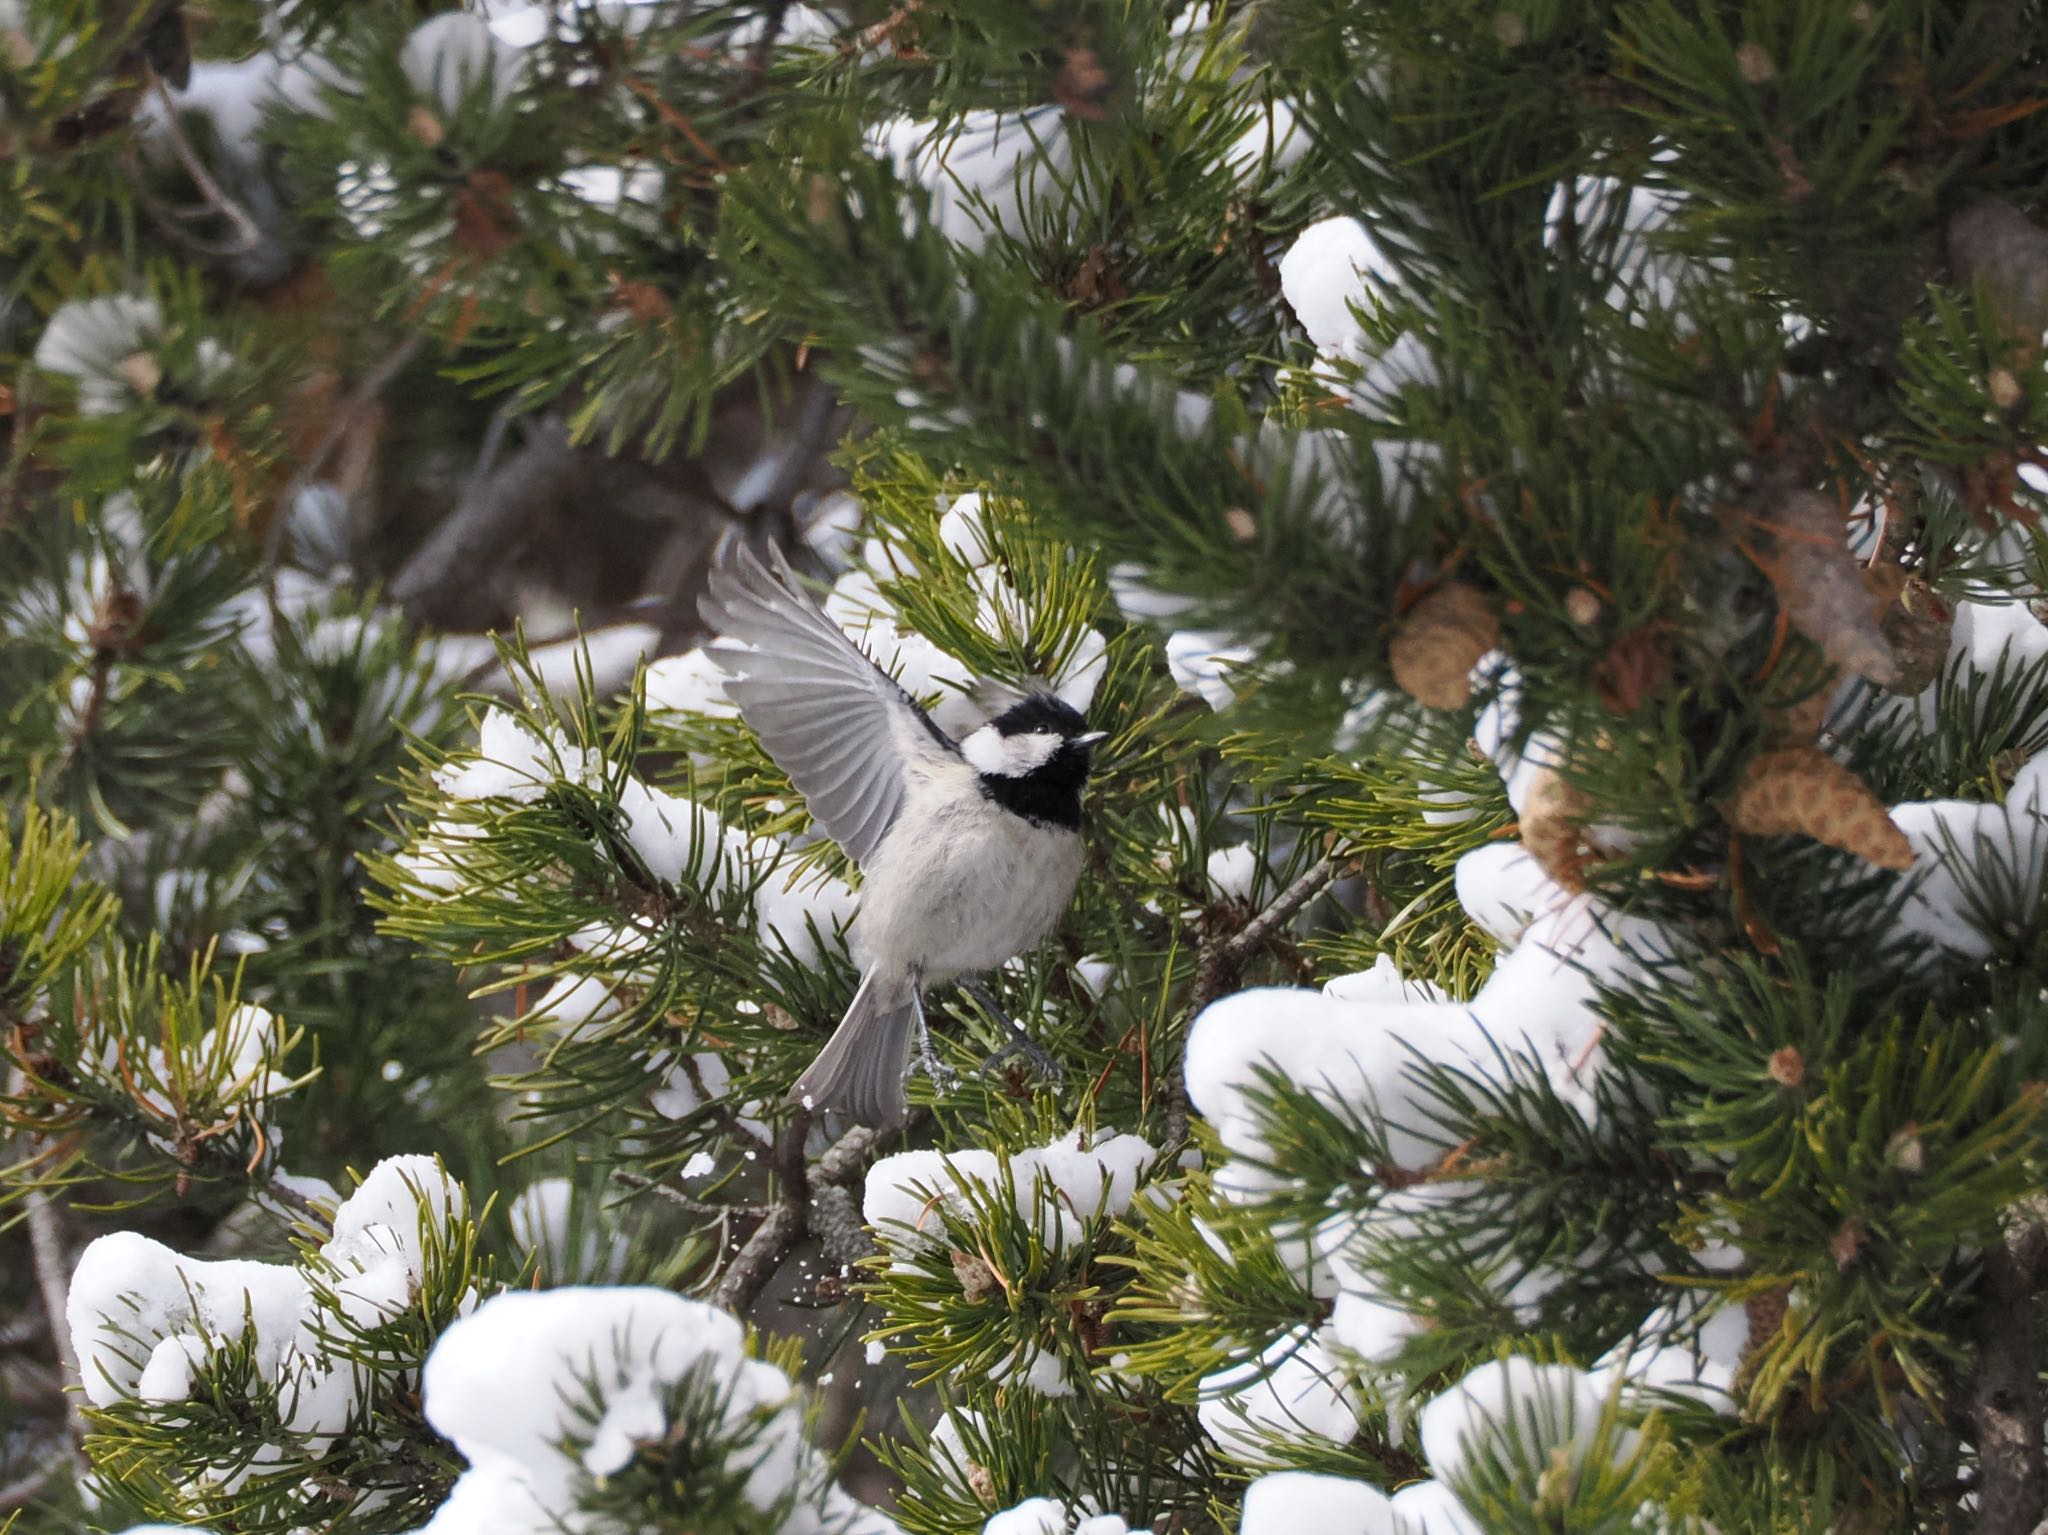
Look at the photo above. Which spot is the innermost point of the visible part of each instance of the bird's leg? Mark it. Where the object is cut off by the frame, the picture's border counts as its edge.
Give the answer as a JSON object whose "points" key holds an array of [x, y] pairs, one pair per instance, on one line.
{"points": [[1019, 1043], [927, 1059]]}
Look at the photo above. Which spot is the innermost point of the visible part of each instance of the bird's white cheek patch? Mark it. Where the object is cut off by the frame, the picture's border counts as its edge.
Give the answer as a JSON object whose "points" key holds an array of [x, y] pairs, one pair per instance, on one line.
{"points": [[988, 750]]}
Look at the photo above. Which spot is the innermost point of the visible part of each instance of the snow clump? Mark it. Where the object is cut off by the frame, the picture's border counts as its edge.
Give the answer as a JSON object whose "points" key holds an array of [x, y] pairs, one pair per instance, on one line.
{"points": [[546, 1392], [147, 1322]]}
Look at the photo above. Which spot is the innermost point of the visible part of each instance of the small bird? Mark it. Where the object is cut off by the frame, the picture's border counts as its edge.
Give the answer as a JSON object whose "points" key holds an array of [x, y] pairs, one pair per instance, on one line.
{"points": [[968, 849]]}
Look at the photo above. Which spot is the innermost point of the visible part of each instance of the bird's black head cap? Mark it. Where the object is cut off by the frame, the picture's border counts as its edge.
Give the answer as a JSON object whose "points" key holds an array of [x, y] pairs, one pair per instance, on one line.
{"points": [[1043, 781]]}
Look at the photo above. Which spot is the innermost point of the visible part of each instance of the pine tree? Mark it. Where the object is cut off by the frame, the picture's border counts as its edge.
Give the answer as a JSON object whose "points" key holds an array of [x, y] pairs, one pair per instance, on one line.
{"points": [[1543, 500]]}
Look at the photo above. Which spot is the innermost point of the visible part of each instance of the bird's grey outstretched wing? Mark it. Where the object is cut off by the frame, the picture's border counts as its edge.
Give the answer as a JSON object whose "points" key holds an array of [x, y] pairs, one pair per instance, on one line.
{"points": [[833, 720]]}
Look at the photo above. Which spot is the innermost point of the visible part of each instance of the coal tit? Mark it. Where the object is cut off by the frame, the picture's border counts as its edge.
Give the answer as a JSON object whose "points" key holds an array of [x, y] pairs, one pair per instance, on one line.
{"points": [[968, 849]]}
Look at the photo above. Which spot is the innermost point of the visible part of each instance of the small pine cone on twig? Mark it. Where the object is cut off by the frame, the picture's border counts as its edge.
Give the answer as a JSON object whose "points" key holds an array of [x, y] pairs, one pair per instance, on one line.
{"points": [[1918, 624], [1553, 826], [1800, 791], [1766, 1314], [1438, 643]]}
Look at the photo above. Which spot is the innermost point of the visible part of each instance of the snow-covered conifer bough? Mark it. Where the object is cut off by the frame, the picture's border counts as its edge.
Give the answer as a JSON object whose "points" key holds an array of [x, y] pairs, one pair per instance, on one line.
{"points": [[970, 849]]}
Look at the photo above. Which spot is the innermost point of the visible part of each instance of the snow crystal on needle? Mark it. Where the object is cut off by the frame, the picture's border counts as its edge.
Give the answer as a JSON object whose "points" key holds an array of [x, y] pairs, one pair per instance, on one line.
{"points": [[681, 841], [452, 54], [1035, 1516], [1049, 1516], [110, 346], [1232, 872], [802, 912], [688, 1082], [1382, 983], [985, 170], [1430, 1508], [511, 762], [902, 1192], [1203, 661], [965, 532], [546, 1221], [1061, 1186], [1675, 1352]]}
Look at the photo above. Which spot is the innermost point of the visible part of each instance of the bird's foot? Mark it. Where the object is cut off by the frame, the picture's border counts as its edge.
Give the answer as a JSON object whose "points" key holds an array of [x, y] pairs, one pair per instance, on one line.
{"points": [[1019, 1043], [942, 1076], [1048, 1069]]}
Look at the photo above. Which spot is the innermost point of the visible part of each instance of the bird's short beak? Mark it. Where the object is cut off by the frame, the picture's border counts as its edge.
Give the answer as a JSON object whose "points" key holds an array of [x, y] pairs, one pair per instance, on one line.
{"points": [[1091, 737]]}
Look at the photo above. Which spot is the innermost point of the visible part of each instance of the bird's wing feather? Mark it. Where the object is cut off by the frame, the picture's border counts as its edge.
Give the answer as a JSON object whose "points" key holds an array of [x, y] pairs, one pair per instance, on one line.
{"points": [[834, 721]]}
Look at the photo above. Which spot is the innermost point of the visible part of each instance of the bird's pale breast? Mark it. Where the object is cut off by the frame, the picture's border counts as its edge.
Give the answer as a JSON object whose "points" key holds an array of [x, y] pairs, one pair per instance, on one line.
{"points": [[971, 892]]}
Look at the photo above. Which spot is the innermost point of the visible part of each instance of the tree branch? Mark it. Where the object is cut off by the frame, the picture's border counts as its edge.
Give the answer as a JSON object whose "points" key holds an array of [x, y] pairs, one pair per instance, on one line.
{"points": [[1250, 938], [24, 1490], [756, 1262], [683, 1201], [494, 508], [53, 1279], [2006, 1405]]}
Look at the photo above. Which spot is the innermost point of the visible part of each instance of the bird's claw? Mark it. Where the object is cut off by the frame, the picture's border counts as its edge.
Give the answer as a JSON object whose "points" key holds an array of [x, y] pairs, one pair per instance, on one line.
{"points": [[1048, 1069], [927, 1063]]}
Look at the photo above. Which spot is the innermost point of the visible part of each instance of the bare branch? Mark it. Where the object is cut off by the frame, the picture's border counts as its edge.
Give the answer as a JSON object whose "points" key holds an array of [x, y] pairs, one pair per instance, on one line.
{"points": [[248, 235], [749, 1272], [847, 1158]]}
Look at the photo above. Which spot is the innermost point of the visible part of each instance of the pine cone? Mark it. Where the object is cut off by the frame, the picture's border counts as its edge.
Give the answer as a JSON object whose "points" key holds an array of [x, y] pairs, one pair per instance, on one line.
{"points": [[1553, 820], [1766, 1313], [977, 1279], [1437, 644], [1799, 791]]}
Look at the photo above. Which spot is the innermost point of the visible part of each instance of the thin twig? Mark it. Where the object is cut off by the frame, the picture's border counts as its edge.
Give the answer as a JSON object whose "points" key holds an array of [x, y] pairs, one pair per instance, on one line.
{"points": [[53, 1279], [683, 1201], [1250, 938], [248, 233], [296, 1202]]}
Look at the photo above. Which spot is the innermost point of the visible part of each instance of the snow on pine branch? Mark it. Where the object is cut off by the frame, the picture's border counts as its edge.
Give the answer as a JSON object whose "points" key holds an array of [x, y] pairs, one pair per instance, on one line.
{"points": [[575, 1406], [567, 1405]]}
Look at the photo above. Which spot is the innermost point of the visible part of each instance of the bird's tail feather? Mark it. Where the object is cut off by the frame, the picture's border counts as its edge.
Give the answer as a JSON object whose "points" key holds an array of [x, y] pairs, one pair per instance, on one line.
{"points": [[860, 1070]]}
